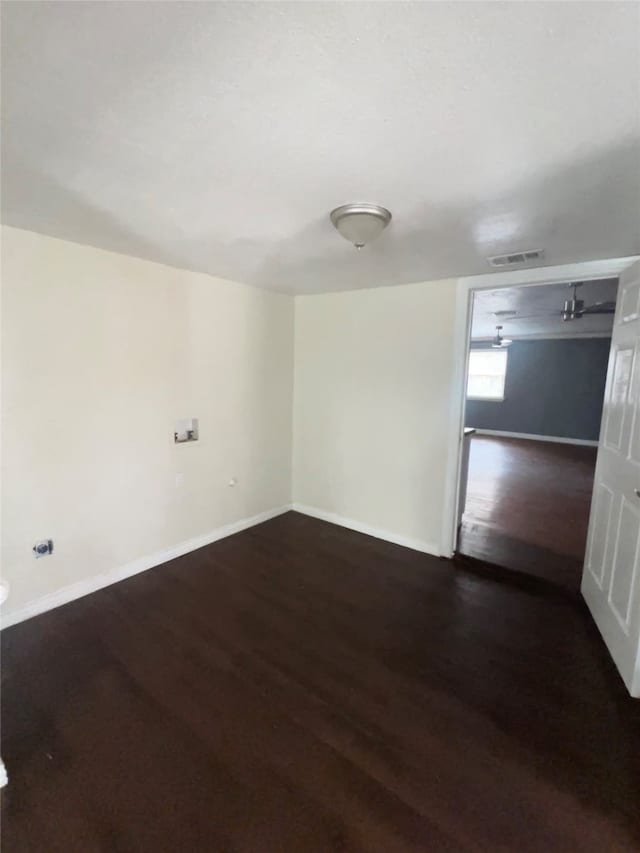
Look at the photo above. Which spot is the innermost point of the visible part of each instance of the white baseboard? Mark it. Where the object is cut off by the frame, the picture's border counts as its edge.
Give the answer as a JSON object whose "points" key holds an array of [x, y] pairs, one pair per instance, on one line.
{"points": [[361, 527], [529, 437], [85, 587]]}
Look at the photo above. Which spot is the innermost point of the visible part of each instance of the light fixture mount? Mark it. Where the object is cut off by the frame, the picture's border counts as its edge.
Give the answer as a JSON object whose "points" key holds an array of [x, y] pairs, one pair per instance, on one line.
{"points": [[360, 223]]}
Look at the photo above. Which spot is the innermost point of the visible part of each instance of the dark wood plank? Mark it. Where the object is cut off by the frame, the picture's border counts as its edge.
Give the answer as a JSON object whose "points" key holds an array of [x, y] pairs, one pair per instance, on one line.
{"points": [[300, 687], [527, 507]]}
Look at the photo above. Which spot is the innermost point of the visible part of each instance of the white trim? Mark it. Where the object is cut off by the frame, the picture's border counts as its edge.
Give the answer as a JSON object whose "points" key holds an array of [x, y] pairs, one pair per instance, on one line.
{"points": [[556, 439], [3, 774], [367, 529], [457, 401], [582, 271], [585, 271], [85, 587]]}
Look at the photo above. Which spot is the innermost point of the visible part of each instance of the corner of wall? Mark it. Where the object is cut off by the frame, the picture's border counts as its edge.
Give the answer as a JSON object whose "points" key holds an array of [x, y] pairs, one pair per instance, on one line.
{"points": [[132, 345]]}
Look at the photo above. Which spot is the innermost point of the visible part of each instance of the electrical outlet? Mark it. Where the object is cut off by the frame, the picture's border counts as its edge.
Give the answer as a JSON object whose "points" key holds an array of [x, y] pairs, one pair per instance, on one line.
{"points": [[43, 548], [179, 480]]}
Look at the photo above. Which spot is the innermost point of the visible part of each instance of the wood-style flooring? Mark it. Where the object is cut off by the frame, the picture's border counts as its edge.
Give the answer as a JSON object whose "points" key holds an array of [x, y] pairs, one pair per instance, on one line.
{"points": [[527, 507], [301, 687]]}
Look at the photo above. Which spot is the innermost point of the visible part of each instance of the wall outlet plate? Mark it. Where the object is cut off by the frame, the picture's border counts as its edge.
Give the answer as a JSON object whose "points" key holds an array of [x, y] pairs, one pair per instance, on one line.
{"points": [[186, 430]]}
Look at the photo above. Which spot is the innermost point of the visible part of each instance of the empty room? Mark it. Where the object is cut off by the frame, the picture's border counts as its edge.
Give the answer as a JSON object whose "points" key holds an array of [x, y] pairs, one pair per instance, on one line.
{"points": [[320, 427]]}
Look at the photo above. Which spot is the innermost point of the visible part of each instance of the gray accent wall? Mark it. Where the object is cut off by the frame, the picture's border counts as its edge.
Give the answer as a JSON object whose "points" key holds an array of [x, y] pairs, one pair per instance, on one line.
{"points": [[553, 387]]}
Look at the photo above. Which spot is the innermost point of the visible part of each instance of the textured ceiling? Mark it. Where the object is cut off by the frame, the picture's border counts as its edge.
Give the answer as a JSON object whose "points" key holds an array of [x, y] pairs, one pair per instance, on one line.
{"points": [[538, 310], [218, 136]]}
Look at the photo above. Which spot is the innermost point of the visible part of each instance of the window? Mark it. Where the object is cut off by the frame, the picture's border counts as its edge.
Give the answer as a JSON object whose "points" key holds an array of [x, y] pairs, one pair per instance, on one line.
{"points": [[487, 372]]}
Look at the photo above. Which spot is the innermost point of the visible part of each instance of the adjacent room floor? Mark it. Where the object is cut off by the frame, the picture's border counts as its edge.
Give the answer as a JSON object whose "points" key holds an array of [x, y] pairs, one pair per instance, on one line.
{"points": [[527, 506], [301, 687]]}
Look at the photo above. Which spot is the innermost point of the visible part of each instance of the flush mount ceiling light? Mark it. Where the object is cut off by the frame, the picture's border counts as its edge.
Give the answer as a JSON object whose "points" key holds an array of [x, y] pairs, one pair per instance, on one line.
{"points": [[360, 223]]}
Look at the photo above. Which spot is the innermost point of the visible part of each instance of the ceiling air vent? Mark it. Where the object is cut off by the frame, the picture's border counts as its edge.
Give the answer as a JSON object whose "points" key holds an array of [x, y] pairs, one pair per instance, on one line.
{"points": [[516, 258]]}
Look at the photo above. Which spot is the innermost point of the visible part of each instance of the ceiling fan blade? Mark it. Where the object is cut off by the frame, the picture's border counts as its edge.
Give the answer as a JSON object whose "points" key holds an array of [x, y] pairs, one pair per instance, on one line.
{"points": [[530, 317], [600, 308]]}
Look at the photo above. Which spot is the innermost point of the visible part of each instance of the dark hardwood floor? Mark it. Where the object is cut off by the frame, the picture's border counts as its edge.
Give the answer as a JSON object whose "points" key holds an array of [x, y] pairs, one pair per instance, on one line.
{"points": [[300, 687], [527, 507]]}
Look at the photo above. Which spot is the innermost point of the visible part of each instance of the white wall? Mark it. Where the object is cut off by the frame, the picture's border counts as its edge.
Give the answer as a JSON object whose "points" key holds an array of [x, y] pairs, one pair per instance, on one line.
{"points": [[373, 380], [101, 354]]}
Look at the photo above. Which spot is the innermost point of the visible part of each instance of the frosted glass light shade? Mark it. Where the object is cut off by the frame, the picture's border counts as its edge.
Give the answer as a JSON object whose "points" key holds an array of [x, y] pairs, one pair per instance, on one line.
{"points": [[360, 223]]}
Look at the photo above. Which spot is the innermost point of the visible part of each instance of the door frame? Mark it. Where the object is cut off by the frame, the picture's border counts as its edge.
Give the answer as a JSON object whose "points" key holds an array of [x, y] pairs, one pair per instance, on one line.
{"points": [[466, 286]]}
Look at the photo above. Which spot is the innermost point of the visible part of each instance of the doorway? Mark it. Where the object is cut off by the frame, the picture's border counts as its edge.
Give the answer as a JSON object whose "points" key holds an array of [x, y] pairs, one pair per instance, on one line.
{"points": [[534, 389], [610, 583]]}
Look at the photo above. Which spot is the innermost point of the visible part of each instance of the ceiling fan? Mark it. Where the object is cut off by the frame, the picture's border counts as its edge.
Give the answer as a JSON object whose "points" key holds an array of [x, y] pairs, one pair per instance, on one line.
{"points": [[575, 308], [499, 342]]}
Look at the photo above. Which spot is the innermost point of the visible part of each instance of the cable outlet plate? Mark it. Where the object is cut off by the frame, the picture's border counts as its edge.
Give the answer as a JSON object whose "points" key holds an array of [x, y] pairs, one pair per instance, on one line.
{"points": [[43, 548]]}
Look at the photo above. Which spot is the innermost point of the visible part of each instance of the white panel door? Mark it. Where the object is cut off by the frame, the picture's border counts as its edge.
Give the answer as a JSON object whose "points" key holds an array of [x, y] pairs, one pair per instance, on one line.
{"points": [[611, 577]]}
